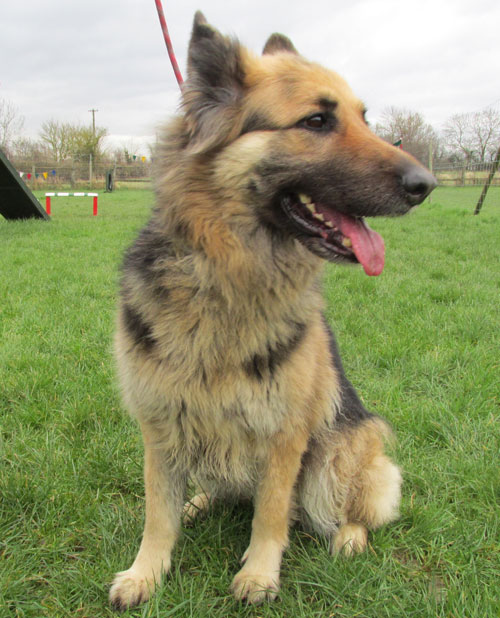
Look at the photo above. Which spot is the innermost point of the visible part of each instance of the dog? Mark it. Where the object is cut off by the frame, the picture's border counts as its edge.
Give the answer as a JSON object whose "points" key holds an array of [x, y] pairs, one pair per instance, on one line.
{"points": [[224, 355]]}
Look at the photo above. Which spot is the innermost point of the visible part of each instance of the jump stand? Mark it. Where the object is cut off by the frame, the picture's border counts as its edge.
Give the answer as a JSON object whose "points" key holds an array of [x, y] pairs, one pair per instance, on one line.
{"points": [[93, 195]]}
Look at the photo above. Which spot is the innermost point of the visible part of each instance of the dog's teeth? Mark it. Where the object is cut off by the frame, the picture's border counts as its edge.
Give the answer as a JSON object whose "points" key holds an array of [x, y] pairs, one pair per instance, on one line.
{"points": [[329, 224], [311, 207], [347, 242], [319, 216], [305, 199]]}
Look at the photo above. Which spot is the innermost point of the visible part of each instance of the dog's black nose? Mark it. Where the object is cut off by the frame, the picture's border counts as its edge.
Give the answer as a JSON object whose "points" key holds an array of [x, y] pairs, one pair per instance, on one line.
{"points": [[418, 183]]}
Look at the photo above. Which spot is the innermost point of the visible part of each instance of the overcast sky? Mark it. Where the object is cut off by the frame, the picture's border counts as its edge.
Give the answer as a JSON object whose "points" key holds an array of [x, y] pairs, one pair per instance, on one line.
{"points": [[60, 58]]}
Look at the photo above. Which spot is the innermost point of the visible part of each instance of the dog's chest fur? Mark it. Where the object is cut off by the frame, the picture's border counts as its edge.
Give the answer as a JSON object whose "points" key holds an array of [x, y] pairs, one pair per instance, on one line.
{"points": [[213, 371]]}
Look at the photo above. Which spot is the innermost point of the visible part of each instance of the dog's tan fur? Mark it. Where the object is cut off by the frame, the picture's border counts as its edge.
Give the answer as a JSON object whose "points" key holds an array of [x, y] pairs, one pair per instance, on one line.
{"points": [[224, 356]]}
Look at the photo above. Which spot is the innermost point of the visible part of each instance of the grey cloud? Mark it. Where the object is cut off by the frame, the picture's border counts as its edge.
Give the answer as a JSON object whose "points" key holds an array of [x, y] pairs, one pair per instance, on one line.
{"points": [[60, 58]]}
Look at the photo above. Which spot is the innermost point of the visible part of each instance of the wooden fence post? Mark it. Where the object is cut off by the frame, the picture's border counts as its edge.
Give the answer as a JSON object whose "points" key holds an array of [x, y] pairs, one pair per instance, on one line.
{"points": [[494, 168]]}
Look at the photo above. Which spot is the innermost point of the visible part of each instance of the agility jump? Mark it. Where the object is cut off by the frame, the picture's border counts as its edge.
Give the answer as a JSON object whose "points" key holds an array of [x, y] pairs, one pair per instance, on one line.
{"points": [[48, 197]]}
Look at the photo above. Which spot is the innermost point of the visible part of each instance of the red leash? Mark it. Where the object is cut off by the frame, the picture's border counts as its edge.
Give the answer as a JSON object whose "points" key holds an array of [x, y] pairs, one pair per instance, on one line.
{"points": [[168, 43]]}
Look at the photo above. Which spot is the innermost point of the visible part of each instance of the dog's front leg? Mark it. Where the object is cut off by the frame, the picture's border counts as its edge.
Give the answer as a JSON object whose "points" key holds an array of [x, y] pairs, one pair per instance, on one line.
{"points": [[258, 580], [164, 489]]}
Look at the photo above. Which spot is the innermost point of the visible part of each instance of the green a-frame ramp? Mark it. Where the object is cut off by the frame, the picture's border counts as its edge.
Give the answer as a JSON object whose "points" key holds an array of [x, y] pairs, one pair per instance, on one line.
{"points": [[16, 200]]}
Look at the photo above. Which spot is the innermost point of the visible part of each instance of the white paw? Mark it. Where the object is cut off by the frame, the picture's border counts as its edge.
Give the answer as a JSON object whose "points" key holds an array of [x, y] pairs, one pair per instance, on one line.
{"points": [[130, 588], [350, 539], [197, 506], [255, 587]]}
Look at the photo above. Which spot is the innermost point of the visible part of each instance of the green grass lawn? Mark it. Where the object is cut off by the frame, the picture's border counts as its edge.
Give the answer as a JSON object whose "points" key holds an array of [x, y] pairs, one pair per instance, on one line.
{"points": [[420, 342]]}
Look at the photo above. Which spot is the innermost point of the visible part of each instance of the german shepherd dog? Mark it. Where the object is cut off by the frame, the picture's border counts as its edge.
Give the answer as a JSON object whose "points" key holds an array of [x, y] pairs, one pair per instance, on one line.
{"points": [[224, 355]]}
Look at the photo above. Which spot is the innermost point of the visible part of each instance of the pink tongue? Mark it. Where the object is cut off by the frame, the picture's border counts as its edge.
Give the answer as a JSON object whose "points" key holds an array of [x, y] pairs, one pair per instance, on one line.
{"points": [[368, 246]]}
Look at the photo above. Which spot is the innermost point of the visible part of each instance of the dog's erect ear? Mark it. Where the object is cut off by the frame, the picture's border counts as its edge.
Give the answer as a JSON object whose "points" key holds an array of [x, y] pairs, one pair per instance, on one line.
{"points": [[213, 90], [278, 43]]}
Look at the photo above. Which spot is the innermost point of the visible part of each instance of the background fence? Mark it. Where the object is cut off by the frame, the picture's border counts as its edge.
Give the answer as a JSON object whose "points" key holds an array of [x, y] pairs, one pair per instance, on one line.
{"points": [[138, 174], [84, 175], [465, 175]]}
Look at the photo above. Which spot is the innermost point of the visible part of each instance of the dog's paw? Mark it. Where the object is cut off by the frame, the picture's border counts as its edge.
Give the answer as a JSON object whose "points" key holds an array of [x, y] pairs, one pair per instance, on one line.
{"points": [[196, 507], [254, 587], [351, 539], [130, 588]]}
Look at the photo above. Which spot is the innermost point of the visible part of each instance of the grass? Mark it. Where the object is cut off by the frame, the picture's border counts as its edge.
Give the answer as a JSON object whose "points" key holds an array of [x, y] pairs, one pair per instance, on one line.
{"points": [[420, 343]]}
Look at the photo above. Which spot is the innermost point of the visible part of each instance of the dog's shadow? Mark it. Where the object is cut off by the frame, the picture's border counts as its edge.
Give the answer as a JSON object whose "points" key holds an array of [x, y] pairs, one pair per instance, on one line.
{"points": [[225, 530]]}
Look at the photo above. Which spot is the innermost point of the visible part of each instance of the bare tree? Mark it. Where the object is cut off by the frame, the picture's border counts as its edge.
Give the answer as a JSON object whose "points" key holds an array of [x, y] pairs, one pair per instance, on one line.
{"points": [[458, 135], [417, 136], [486, 130], [25, 149], [11, 123], [59, 138], [474, 136], [66, 140]]}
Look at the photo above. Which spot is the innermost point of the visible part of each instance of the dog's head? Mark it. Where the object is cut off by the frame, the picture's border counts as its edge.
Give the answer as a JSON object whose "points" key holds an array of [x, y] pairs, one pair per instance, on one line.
{"points": [[291, 139]]}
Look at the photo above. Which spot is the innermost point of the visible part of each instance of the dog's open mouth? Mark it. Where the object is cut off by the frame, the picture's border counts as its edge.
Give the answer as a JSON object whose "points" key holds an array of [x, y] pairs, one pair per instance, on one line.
{"points": [[341, 236]]}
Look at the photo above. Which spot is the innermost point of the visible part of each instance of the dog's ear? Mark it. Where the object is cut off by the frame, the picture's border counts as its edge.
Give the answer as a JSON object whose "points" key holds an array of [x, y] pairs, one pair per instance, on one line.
{"points": [[278, 43], [214, 88]]}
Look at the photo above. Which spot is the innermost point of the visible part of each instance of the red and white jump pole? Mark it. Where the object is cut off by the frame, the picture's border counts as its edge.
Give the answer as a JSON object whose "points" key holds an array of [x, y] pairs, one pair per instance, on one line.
{"points": [[50, 195]]}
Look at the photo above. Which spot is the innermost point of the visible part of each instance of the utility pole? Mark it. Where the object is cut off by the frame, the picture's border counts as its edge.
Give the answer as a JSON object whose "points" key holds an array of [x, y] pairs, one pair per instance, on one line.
{"points": [[93, 112]]}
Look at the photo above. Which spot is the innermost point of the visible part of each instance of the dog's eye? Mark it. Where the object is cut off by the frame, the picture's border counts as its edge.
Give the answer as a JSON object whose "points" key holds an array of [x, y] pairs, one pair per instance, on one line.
{"points": [[317, 122]]}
